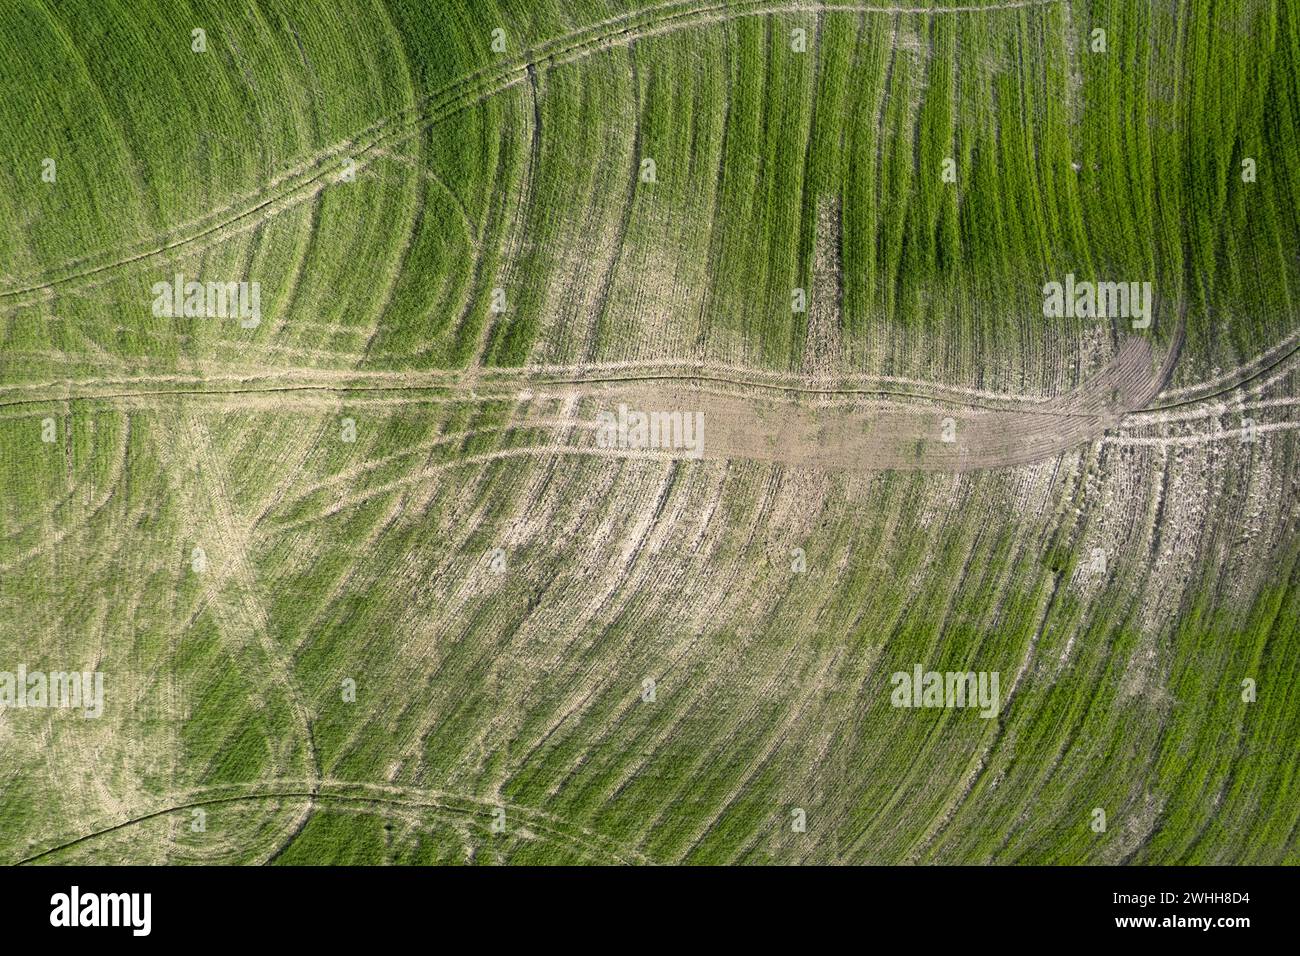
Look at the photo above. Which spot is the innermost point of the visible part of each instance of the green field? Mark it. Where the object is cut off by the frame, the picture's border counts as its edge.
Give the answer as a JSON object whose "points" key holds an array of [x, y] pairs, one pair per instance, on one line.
{"points": [[362, 589]]}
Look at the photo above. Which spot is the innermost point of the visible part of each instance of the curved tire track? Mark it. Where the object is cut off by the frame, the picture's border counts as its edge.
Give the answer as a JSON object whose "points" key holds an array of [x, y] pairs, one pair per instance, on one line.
{"points": [[306, 180], [375, 795]]}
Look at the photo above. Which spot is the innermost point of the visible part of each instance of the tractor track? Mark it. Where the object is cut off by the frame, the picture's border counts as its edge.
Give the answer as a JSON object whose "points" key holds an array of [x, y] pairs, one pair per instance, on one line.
{"points": [[376, 796], [304, 182]]}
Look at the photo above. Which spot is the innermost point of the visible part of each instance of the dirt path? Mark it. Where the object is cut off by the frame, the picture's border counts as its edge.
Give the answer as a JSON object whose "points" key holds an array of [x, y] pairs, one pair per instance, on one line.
{"points": [[742, 426], [743, 419]]}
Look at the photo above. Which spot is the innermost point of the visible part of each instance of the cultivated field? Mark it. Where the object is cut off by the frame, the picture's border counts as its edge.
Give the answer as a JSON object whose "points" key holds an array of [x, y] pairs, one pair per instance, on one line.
{"points": [[367, 574]]}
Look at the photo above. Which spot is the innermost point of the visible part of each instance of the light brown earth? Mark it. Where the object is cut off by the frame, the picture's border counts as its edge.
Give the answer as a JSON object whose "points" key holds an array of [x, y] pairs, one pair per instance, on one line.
{"points": [[749, 420]]}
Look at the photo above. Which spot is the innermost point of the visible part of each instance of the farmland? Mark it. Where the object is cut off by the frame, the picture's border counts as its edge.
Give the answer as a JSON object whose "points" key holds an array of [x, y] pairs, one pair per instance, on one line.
{"points": [[367, 584]]}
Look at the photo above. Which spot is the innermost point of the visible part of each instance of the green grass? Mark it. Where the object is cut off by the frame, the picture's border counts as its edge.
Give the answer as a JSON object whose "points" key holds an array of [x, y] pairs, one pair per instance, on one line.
{"points": [[369, 561]]}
